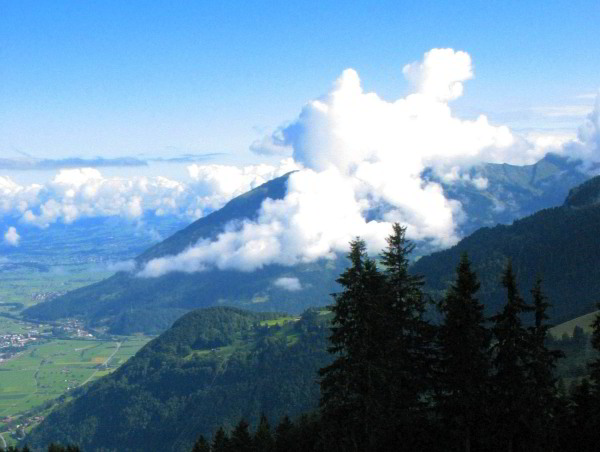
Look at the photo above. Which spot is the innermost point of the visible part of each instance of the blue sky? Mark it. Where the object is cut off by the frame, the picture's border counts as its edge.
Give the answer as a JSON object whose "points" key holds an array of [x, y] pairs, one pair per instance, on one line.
{"points": [[163, 78]]}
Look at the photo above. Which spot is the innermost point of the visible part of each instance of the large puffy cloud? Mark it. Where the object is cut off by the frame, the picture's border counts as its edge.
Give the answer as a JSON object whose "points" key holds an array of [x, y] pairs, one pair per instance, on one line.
{"points": [[304, 226], [364, 158]]}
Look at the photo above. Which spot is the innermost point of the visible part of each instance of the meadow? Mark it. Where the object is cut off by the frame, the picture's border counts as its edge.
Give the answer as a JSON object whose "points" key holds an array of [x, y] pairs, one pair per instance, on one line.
{"points": [[46, 371]]}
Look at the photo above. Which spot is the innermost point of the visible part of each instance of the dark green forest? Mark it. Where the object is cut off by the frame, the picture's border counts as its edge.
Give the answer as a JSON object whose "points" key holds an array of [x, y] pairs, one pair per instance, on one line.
{"points": [[562, 244]]}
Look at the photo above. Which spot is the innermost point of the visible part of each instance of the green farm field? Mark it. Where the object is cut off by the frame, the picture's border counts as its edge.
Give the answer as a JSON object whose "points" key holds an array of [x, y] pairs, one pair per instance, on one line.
{"points": [[49, 370], [24, 284]]}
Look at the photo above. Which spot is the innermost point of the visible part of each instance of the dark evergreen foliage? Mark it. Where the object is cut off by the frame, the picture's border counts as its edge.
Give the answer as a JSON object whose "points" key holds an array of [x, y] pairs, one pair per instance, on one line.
{"points": [[263, 439], [543, 383], [284, 435], [201, 445], [463, 382], [348, 389], [510, 358], [221, 441], [240, 440], [562, 244]]}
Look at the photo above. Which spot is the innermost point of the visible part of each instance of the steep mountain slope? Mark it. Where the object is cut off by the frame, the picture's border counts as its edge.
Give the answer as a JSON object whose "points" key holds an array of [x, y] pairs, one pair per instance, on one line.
{"points": [[126, 304], [561, 244], [213, 367]]}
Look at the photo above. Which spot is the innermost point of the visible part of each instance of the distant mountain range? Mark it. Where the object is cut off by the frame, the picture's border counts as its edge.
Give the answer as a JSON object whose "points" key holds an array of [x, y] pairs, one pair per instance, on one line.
{"points": [[125, 303], [212, 368]]}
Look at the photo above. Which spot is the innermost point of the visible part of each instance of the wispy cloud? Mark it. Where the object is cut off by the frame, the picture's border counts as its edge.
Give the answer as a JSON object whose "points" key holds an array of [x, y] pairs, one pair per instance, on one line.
{"points": [[587, 96], [32, 163], [564, 111], [29, 163], [188, 158]]}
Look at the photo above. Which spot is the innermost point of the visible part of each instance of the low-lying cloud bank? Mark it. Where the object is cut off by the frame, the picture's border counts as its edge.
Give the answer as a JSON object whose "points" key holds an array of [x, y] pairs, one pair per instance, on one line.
{"points": [[85, 192], [362, 159]]}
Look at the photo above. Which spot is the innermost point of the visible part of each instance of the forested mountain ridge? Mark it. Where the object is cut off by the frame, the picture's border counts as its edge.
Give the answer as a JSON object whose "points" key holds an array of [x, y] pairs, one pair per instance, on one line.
{"points": [[212, 367], [125, 303], [561, 245], [586, 194]]}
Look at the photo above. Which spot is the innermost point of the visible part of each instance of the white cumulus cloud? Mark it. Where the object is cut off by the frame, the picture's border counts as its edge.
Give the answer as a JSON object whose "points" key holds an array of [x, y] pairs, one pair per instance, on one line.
{"points": [[441, 74], [12, 237], [362, 159]]}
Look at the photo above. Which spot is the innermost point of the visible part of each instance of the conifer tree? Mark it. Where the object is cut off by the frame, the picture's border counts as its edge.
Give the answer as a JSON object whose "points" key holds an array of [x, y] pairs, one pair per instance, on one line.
{"points": [[220, 441], [263, 440], [464, 361], [582, 434], [201, 445], [240, 440], [594, 366], [586, 401], [543, 395], [510, 359], [408, 346], [349, 386], [284, 435]]}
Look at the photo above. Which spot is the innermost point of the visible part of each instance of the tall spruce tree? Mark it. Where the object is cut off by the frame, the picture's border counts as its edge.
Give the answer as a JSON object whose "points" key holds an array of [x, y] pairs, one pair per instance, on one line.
{"points": [[594, 366], [284, 435], [263, 439], [511, 354], [543, 392], [220, 442], [464, 359], [585, 401], [408, 345], [240, 440], [201, 445], [350, 385]]}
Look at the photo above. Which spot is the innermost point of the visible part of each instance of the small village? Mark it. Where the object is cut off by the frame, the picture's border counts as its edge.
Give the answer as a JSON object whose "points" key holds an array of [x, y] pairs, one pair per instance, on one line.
{"points": [[13, 343]]}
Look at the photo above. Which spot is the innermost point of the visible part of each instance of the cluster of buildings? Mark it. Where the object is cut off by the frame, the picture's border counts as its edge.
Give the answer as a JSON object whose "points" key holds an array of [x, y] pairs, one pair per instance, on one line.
{"points": [[11, 341], [45, 296], [71, 328]]}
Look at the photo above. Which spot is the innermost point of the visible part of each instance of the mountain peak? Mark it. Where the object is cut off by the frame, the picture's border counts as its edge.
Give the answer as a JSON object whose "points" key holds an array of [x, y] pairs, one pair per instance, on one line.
{"points": [[586, 194]]}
